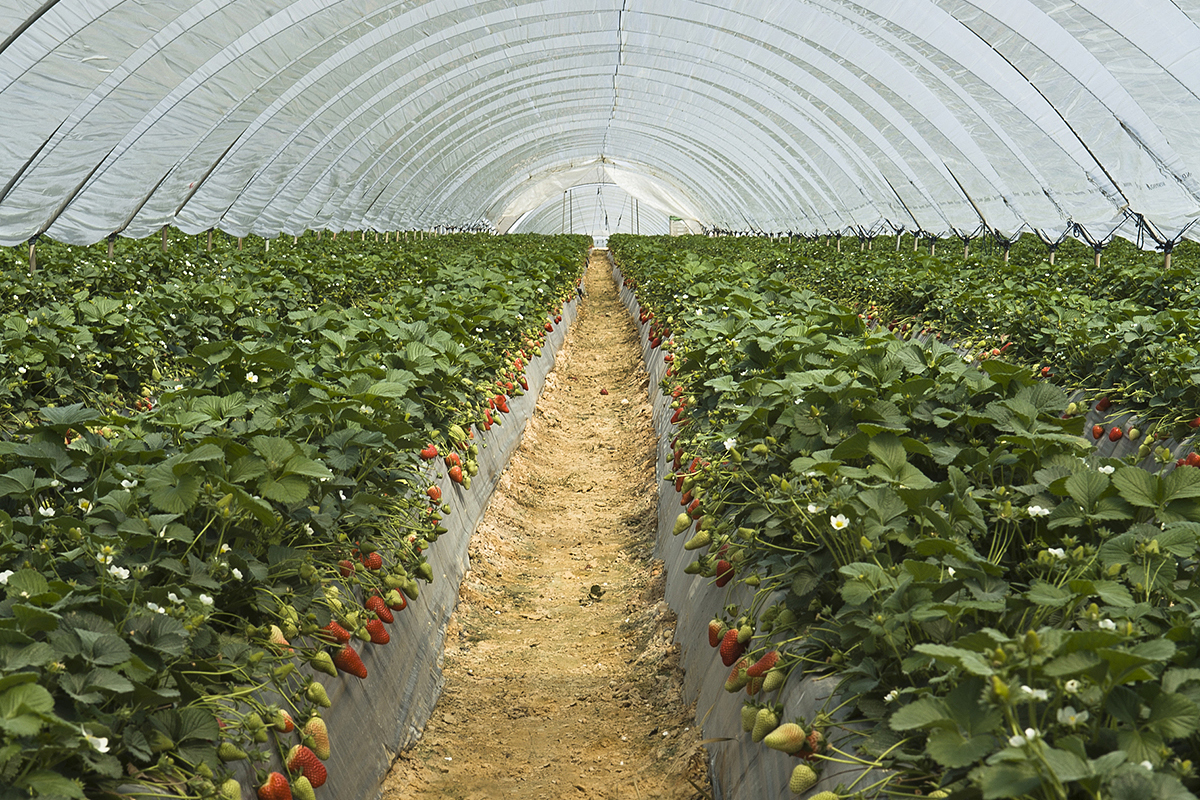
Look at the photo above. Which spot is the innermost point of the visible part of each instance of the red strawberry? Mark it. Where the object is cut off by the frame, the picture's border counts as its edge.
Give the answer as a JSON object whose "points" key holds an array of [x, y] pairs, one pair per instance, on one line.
{"points": [[679, 483], [435, 493], [686, 499], [275, 787], [731, 648], [1103, 405], [549, 327], [604, 391], [501, 404], [379, 634], [452, 460], [508, 388], [1045, 371], [724, 572], [346, 567], [348, 660], [716, 629], [760, 667], [1097, 431], [678, 415], [373, 561], [1114, 434], [668, 357], [284, 722], [430, 452], [334, 633], [456, 474], [375, 603], [558, 318], [316, 730], [303, 761], [524, 383], [1194, 423], [1192, 459], [694, 509]]}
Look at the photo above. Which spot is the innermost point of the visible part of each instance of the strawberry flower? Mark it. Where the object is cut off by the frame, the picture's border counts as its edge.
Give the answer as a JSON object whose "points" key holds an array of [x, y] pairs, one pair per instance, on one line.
{"points": [[1068, 716], [251, 377], [1038, 511], [839, 522]]}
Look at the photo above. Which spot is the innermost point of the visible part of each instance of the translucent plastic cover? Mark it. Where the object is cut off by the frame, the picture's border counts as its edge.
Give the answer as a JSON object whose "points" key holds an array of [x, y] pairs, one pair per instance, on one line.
{"points": [[269, 116]]}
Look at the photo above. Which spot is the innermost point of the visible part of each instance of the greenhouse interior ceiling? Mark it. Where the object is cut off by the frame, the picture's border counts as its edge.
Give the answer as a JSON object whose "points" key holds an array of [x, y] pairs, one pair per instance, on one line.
{"points": [[938, 117]]}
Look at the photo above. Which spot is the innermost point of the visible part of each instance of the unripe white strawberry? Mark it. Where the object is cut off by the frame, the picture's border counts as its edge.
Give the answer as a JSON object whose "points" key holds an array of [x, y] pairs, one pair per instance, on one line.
{"points": [[803, 779], [764, 722], [788, 738]]}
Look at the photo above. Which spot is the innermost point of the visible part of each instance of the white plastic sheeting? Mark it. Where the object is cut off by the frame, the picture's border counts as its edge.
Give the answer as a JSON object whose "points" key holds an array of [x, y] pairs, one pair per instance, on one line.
{"points": [[270, 116], [598, 210]]}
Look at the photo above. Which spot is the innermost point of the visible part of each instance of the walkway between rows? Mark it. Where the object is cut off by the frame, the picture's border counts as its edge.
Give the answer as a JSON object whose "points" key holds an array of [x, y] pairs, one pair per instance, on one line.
{"points": [[561, 675]]}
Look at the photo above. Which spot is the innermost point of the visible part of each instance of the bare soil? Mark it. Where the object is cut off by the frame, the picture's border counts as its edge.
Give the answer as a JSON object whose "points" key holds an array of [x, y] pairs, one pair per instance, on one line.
{"points": [[562, 679]]}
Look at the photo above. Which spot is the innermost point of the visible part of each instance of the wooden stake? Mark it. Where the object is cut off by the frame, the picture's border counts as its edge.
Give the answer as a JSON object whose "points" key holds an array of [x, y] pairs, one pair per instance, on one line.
{"points": [[239, 244], [1097, 259], [897, 243], [111, 239], [966, 249], [210, 231], [1007, 248], [1166, 259], [1052, 258], [32, 256], [164, 238]]}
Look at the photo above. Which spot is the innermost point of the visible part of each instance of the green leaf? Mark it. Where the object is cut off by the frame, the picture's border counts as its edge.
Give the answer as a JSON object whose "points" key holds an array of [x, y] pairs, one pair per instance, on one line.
{"points": [[950, 749], [1173, 716], [43, 782], [1006, 780], [288, 489], [72, 416], [888, 450], [1071, 664], [1138, 487], [967, 660], [924, 713], [1047, 594], [1086, 487], [1180, 484], [29, 581], [1067, 766]]}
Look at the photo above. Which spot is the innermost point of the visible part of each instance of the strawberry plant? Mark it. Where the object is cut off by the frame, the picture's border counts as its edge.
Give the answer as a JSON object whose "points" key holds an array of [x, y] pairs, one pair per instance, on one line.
{"points": [[193, 446], [1008, 613]]}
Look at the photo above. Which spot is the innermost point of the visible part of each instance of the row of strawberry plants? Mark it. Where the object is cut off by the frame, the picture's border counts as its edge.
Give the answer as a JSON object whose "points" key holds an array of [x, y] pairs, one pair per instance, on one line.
{"points": [[1127, 332], [214, 468], [1008, 614]]}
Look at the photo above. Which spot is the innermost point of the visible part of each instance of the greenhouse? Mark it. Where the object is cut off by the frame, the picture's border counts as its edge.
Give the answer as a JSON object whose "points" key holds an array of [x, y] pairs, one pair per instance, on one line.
{"points": [[430, 399]]}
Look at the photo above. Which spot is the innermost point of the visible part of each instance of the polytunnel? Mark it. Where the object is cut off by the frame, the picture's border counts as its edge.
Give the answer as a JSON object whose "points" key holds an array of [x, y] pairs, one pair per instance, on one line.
{"points": [[486, 399], [277, 117]]}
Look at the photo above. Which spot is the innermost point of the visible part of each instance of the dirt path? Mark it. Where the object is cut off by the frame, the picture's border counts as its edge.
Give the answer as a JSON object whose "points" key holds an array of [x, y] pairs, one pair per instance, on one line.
{"points": [[561, 675]]}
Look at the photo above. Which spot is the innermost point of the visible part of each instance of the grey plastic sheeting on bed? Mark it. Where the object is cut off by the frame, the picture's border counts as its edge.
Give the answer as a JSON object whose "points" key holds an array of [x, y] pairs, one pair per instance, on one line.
{"points": [[740, 769], [372, 720]]}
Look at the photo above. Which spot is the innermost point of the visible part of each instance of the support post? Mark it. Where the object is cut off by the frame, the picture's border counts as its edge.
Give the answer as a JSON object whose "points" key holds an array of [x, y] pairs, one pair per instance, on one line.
{"points": [[239, 244], [164, 238], [112, 237], [33, 255], [210, 232]]}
